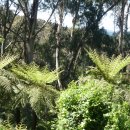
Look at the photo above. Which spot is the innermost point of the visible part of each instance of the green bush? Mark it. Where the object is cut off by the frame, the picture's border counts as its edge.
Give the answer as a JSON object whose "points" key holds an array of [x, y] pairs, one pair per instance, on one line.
{"points": [[8, 126], [93, 105]]}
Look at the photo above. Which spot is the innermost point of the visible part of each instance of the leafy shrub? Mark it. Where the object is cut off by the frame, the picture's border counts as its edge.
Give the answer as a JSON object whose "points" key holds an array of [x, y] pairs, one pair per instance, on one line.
{"points": [[93, 105], [8, 126]]}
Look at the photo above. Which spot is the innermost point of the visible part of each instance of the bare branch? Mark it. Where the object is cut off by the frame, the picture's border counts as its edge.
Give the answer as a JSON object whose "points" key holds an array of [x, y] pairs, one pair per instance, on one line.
{"points": [[47, 19]]}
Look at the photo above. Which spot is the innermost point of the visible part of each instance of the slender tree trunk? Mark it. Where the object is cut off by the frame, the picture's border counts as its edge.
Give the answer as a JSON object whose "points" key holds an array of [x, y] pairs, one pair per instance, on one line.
{"points": [[30, 45], [57, 56], [58, 39], [126, 19], [121, 27], [75, 18], [4, 26], [7, 20], [28, 52], [30, 30]]}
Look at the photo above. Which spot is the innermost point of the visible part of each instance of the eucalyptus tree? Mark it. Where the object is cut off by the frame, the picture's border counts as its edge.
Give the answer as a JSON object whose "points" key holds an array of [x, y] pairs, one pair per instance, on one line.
{"points": [[122, 14], [85, 25], [58, 8], [86, 17], [29, 10]]}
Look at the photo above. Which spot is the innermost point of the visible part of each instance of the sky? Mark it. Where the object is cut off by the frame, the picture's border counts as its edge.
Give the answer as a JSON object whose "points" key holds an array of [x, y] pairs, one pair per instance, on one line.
{"points": [[107, 21]]}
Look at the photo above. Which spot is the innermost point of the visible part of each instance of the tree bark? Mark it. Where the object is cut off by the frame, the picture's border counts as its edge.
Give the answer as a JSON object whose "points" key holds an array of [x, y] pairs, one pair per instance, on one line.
{"points": [[58, 39], [121, 27], [30, 28], [126, 19], [29, 35]]}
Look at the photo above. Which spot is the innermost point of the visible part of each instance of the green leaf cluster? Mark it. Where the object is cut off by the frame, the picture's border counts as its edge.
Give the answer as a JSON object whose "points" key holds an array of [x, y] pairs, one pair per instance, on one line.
{"points": [[35, 87], [34, 74], [8, 126], [109, 68], [93, 105], [5, 76], [96, 101]]}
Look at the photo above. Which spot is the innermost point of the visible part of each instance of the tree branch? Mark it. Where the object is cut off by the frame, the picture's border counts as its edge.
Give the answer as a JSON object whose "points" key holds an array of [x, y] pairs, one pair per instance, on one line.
{"points": [[47, 19]]}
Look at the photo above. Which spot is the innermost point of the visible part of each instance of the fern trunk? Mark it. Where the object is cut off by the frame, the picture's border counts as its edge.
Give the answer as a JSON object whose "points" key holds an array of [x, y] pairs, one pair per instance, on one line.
{"points": [[34, 120], [17, 115]]}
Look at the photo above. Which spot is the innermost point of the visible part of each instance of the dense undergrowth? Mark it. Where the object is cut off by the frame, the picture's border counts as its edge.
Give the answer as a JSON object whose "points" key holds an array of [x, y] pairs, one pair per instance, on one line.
{"points": [[93, 105], [98, 100]]}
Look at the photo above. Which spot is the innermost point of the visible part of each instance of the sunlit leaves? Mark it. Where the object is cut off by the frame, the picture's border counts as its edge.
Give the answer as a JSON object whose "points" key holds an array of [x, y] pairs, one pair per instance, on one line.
{"points": [[34, 74], [4, 61], [108, 67]]}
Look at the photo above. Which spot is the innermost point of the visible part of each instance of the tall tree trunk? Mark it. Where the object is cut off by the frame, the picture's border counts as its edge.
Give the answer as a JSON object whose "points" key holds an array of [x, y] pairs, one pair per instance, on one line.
{"points": [[30, 30], [58, 39], [58, 36], [126, 19], [30, 45], [121, 27], [75, 18], [5, 21]]}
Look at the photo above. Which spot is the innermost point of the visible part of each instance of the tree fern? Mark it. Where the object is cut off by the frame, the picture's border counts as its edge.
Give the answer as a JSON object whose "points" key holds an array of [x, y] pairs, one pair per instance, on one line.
{"points": [[36, 87], [109, 67], [4, 61], [34, 74], [5, 82], [118, 64], [6, 77]]}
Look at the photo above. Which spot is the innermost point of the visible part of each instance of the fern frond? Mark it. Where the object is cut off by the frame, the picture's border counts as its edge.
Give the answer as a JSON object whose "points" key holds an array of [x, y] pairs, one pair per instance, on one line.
{"points": [[9, 75], [4, 61], [34, 74], [102, 62], [4, 82], [41, 99], [109, 67], [38, 93], [8, 80], [117, 65], [5, 76]]}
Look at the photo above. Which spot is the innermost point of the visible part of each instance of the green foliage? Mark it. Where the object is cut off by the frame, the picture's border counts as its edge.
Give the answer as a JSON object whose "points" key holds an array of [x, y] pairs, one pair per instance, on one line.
{"points": [[4, 61], [8, 126], [109, 67], [35, 87], [6, 78], [95, 102], [7, 86], [93, 105], [34, 74]]}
